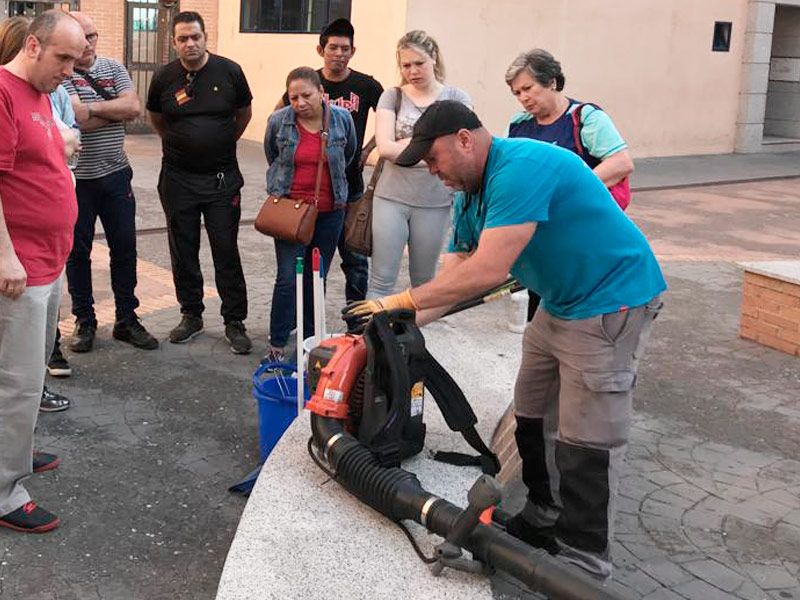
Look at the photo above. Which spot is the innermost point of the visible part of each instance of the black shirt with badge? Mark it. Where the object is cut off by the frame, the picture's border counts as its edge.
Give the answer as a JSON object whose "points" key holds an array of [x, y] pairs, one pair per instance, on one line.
{"points": [[198, 111], [358, 93]]}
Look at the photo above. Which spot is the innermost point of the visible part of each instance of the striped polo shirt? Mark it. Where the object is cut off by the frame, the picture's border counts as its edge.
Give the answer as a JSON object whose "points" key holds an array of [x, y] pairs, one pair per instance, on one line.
{"points": [[102, 151]]}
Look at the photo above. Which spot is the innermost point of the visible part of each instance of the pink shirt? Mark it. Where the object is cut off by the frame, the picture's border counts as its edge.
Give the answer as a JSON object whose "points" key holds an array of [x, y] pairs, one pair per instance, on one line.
{"points": [[38, 197]]}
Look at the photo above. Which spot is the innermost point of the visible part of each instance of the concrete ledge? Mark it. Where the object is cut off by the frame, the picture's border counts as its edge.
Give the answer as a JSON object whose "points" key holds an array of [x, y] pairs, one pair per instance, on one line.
{"points": [[782, 270], [302, 535]]}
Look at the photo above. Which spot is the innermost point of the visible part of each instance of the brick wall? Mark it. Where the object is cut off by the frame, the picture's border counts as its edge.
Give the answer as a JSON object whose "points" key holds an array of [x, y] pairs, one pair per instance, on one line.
{"points": [[109, 18], [771, 312], [209, 10]]}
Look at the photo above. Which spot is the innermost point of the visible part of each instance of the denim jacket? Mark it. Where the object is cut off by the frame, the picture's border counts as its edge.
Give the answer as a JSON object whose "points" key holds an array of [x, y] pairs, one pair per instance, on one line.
{"points": [[280, 143]]}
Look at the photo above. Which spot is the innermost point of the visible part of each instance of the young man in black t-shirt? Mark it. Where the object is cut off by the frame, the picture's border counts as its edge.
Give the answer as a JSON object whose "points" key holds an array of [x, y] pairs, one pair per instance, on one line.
{"points": [[200, 105], [358, 93]]}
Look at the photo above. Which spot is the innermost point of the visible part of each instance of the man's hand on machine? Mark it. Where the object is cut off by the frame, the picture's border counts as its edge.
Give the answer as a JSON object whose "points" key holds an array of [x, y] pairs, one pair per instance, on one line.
{"points": [[357, 314]]}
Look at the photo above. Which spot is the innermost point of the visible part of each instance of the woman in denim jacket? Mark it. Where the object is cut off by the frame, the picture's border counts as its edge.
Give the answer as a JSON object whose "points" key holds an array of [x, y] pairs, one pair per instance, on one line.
{"points": [[292, 145]]}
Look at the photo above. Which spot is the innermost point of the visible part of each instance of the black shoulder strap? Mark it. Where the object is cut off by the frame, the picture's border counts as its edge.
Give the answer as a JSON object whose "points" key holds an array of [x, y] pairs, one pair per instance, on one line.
{"points": [[101, 91], [458, 415], [577, 124], [398, 99]]}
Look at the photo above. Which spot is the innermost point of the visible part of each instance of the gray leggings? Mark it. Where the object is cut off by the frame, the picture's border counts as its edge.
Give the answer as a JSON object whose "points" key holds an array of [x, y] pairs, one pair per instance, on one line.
{"points": [[394, 225]]}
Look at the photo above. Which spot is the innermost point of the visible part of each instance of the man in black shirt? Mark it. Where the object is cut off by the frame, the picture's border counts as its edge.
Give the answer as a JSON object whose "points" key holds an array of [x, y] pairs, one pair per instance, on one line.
{"points": [[358, 93], [200, 105]]}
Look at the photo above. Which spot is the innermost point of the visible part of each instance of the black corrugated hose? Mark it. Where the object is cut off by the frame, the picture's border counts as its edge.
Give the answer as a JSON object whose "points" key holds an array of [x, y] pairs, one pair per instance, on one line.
{"points": [[398, 494]]}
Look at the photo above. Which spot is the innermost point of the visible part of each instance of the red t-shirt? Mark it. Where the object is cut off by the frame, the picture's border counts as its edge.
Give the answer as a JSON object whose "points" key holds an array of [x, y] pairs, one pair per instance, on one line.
{"points": [[306, 157], [38, 198]]}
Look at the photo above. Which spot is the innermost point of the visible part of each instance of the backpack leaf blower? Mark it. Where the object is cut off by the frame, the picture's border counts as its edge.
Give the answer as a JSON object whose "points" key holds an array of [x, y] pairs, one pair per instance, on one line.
{"points": [[367, 416]]}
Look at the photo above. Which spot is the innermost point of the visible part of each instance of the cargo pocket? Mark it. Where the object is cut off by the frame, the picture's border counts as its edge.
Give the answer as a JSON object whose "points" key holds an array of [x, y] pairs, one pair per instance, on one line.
{"points": [[605, 408], [609, 381]]}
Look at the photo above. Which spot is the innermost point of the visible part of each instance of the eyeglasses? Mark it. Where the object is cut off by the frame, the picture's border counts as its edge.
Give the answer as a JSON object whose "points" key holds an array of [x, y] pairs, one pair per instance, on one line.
{"points": [[189, 87]]}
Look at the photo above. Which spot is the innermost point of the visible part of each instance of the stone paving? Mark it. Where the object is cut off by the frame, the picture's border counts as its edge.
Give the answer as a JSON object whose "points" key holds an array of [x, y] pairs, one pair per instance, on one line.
{"points": [[710, 500], [710, 503]]}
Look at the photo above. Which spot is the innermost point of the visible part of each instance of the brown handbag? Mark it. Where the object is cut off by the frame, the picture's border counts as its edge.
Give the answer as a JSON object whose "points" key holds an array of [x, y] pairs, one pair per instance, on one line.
{"points": [[358, 221], [291, 219]]}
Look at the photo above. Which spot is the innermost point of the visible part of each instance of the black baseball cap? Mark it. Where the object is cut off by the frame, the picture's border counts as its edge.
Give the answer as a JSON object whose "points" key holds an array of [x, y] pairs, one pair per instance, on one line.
{"points": [[443, 117]]}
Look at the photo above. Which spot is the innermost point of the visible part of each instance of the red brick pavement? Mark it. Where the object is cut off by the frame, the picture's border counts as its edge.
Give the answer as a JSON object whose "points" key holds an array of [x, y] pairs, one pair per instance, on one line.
{"points": [[155, 290]]}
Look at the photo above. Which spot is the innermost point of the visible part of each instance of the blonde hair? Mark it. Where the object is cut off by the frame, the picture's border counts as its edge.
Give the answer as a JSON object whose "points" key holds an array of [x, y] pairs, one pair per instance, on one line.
{"points": [[13, 32], [421, 42]]}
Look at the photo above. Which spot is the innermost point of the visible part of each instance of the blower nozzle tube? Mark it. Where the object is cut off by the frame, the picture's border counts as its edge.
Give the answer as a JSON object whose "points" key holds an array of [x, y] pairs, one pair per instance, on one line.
{"points": [[398, 494]]}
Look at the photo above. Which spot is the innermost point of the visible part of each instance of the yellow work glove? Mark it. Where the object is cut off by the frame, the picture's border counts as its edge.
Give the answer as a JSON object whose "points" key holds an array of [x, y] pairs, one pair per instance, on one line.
{"points": [[358, 313]]}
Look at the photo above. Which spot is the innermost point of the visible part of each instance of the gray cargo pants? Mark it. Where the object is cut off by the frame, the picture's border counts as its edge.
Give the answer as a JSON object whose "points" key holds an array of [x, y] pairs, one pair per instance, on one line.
{"points": [[27, 333], [573, 403]]}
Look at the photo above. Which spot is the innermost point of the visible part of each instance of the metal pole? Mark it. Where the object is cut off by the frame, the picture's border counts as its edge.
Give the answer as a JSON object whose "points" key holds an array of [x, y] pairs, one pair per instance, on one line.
{"points": [[298, 269]]}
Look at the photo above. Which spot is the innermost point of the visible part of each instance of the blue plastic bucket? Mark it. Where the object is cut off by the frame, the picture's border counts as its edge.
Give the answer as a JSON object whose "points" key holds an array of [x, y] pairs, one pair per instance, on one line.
{"points": [[275, 390]]}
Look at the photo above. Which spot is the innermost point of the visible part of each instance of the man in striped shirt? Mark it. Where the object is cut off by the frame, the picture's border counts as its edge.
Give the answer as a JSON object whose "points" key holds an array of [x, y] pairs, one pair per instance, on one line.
{"points": [[103, 97]]}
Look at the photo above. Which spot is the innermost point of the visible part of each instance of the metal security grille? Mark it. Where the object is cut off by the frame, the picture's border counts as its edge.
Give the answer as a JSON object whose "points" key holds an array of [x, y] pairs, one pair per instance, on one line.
{"points": [[147, 47], [291, 16], [37, 7]]}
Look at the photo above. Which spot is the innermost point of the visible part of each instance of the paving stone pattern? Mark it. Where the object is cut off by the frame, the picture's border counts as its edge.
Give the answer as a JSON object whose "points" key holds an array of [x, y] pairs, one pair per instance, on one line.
{"points": [[709, 505]]}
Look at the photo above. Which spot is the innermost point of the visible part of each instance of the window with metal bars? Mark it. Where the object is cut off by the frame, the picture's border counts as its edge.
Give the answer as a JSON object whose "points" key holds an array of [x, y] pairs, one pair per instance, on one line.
{"points": [[291, 16], [36, 7]]}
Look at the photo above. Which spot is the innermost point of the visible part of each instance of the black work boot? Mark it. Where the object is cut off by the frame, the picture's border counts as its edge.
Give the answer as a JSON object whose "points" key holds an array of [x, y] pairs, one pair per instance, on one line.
{"points": [[535, 524], [83, 337], [189, 327], [583, 527], [133, 332], [236, 334]]}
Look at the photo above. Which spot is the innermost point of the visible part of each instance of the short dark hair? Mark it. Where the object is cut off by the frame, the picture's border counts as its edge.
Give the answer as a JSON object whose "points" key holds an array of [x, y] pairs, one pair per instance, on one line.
{"points": [[539, 64], [337, 28], [188, 16], [306, 73]]}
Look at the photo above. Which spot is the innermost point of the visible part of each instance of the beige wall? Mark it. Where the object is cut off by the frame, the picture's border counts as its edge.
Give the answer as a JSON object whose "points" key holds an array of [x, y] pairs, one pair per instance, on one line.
{"points": [[267, 58], [648, 62]]}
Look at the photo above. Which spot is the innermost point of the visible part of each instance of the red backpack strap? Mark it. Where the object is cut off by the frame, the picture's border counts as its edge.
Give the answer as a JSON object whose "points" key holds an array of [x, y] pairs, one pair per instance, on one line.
{"points": [[576, 128]]}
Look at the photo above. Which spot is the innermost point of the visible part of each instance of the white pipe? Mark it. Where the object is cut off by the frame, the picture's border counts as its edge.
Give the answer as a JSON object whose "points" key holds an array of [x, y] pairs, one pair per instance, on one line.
{"points": [[319, 307], [300, 354]]}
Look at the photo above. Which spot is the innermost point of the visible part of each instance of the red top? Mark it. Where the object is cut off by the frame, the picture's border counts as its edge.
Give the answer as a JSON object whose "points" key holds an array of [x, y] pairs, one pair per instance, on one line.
{"points": [[305, 171], [36, 190]]}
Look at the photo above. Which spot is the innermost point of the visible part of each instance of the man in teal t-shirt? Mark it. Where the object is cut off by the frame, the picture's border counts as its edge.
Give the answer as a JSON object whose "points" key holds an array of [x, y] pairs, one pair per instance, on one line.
{"points": [[537, 211]]}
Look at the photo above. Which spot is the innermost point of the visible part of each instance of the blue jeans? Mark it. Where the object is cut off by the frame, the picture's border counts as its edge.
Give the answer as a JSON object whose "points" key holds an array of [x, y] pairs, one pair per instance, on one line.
{"points": [[110, 198], [282, 314]]}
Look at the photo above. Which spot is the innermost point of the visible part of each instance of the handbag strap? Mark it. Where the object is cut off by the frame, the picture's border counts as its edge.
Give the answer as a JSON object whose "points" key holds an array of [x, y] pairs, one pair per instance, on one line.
{"points": [[376, 172], [326, 121]]}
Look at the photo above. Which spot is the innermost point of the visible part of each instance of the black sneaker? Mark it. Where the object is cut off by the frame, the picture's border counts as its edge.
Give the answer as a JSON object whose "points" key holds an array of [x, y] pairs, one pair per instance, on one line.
{"points": [[538, 537], [235, 333], [83, 337], [44, 461], [133, 332], [52, 402], [58, 366], [30, 518], [189, 327]]}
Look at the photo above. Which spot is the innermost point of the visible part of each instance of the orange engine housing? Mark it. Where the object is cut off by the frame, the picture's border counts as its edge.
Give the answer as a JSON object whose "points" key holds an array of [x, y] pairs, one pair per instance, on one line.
{"points": [[333, 370]]}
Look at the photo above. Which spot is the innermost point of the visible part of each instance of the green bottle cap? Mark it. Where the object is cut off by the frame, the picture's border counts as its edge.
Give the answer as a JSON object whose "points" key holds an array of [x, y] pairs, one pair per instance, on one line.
{"points": [[298, 265]]}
